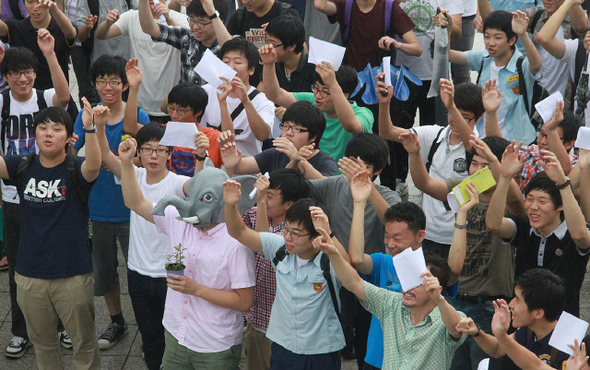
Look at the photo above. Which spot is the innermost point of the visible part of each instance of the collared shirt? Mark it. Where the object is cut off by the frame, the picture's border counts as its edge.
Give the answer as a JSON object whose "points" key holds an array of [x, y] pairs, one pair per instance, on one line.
{"points": [[517, 122], [213, 259], [264, 292], [426, 346], [301, 79], [191, 50], [531, 164], [302, 319], [556, 252]]}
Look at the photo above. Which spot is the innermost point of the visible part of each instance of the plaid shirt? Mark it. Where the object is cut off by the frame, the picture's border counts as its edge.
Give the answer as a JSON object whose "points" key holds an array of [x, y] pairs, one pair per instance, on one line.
{"points": [[264, 292], [531, 164], [191, 50]]}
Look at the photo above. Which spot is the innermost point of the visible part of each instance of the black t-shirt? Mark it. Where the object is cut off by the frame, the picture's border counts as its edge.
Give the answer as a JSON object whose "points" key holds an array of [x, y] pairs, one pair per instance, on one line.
{"points": [[561, 256], [53, 225], [271, 159], [300, 80], [525, 337], [250, 25], [23, 34]]}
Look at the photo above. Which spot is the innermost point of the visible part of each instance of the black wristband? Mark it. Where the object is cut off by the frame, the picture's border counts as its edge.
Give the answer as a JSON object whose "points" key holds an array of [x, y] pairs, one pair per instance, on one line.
{"points": [[91, 131], [201, 159], [332, 234], [214, 15]]}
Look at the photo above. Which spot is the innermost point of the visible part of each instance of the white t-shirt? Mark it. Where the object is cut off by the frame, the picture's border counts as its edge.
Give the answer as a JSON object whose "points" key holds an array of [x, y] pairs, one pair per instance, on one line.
{"points": [[448, 162], [421, 13], [159, 62], [503, 110], [571, 46], [554, 72], [148, 247], [20, 138], [469, 8], [245, 139]]}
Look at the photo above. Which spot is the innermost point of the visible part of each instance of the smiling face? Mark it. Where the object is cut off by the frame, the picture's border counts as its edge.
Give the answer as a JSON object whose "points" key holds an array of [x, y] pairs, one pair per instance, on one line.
{"points": [[275, 207], [110, 89], [182, 114], [37, 15], [497, 43], [298, 240], [21, 83], [51, 138], [202, 28], [541, 211], [415, 297], [552, 5], [399, 238], [521, 316]]}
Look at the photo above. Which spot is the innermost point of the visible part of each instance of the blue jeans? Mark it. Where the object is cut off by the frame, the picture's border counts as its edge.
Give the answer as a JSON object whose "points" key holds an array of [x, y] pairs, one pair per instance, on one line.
{"points": [[148, 297], [469, 355]]}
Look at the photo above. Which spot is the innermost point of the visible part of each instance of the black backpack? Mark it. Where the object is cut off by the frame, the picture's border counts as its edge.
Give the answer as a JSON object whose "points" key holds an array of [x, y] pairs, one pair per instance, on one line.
{"points": [[325, 265]]}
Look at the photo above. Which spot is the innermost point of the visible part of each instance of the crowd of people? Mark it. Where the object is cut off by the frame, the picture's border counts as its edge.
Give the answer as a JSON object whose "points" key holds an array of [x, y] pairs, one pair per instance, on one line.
{"points": [[290, 208]]}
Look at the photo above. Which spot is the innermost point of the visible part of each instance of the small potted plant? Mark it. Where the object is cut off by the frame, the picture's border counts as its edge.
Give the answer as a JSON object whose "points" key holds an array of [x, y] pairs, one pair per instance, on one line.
{"points": [[174, 263]]}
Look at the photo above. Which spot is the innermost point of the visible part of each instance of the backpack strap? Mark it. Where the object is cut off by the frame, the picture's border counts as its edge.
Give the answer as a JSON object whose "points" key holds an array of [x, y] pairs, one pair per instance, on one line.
{"points": [[236, 112], [536, 18], [15, 9], [479, 72], [387, 24], [522, 84], [21, 170], [280, 255], [325, 265], [5, 117], [433, 148], [41, 103], [347, 14]]}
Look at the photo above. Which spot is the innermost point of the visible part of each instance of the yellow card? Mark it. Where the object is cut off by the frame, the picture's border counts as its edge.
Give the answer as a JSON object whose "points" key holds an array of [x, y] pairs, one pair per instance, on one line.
{"points": [[482, 179]]}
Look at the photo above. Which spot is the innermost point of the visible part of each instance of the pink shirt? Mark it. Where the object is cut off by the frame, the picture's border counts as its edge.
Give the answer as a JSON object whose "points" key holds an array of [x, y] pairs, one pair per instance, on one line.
{"points": [[218, 261]]}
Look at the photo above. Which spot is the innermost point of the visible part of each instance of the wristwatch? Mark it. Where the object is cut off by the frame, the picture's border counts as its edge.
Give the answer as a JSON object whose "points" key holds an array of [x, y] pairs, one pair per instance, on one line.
{"points": [[214, 15], [201, 159], [567, 183]]}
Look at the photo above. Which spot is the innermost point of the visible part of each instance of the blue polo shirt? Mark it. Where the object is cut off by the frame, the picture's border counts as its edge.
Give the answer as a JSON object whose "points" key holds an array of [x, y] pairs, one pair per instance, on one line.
{"points": [[517, 120], [302, 319]]}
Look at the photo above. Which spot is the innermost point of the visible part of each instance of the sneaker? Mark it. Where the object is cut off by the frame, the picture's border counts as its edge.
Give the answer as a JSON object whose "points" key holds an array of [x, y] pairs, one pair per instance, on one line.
{"points": [[64, 339], [111, 336], [17, 347]]}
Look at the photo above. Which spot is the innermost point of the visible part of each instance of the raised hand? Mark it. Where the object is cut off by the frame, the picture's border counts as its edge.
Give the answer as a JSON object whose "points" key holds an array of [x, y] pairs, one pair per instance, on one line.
{"points": [[482, 149], [102, 114], [447, 93], [45, 41], [305, 152], [472, 202], [286, 146], [491, 96], [91, 21], [240, 89], [327, 73], [361, 186], [467, 326], [232, 192], [201, 143], [268, 54], [319, 219], [161, 9], [230, 155], [410, 142], [226, 137], [384, 93], [579, 359], [134, 75], [512, 160], [557, 117], [431, 285], [225, 88], [552, 166], [262, 184], [350, 167], [127, 150], [324, 243], [87, 114], [112, 17], [501, 319], [520, 23]]}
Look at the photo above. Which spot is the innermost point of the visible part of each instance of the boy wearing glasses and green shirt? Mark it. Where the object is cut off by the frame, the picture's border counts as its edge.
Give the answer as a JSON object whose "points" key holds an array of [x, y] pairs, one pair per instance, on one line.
{"points": [[108, 214]]}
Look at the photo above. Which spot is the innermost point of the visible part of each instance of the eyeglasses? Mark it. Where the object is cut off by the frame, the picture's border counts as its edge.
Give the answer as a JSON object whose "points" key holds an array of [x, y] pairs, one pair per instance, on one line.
{"points": [[150, 151], [275, 46], [182, 112], [541, 136], [467, 119], [27, 73], [294, 235], [294, 128], [199, 24], [321, 93], [112, 83]]}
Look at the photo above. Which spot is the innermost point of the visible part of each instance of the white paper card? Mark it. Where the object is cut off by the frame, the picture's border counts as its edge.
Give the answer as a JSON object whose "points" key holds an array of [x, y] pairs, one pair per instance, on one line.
{"points": [[409, 266], [180, 134], [452, 201], [567, 329], [255, 190], [323, 51], [546, 107], [387, 70], [583, 140], [210, 68], [484, 364]]}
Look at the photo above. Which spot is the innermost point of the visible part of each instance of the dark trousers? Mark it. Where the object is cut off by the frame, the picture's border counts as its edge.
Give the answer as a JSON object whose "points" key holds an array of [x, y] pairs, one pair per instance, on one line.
{"points": [[355, 325], [10, 214], [462, 73], [81, 63], [148, 297], [281, 359]]}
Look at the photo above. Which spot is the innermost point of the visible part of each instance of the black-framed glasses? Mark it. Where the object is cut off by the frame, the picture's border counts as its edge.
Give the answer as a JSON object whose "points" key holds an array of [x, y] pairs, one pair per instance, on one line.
{"points": [[321, 93], [28, 73], [296, 129], [294, 235], [180, 111], [199, 24], [467, 119], [150, 151], [112, 83]]}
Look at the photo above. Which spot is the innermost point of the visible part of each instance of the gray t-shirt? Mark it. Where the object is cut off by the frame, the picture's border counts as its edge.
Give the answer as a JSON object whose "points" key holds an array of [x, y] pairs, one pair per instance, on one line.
{"points": [[335, 196]]}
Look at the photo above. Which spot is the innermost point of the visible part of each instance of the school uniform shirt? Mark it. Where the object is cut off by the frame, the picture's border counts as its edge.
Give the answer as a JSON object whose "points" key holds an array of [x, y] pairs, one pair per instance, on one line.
{"points": [[302, 319], [540, 347]]}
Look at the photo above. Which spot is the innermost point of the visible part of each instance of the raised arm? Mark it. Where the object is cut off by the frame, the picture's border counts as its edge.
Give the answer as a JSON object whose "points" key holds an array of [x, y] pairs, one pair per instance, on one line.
{"points": [[259, 127], [452, 22], [262, 184], [60, 84], [448, 314], [546, 37], [360, 187], [134, 78], [492, 99], [581, 175], [232, 193], [320, 222], [576, 224], [325, 6], [447, 95], [520, 23], [221, 32], [226, 122], [434, 187], [84, 31], [555, 142], [109, 160], [132, 195], [62, 21], [484, 8], [488, 343], [387, 129], [146, 21], [272, 90], [91, 166], [107, 29], [579, 18], [457, 57], [411, 46]]}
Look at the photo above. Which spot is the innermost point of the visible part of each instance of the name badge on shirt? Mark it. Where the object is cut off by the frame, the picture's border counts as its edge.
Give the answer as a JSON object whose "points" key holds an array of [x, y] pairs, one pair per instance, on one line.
{"points": [[513, 78], [318, 287]]}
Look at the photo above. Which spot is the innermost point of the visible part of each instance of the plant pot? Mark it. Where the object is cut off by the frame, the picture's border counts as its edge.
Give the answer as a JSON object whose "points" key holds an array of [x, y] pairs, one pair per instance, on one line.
{"points": [[175, 272]]}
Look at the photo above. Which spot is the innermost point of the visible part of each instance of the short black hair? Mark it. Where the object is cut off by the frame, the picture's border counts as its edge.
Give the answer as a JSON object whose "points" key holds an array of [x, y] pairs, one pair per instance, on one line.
{"points": [[189, 95], [371, 148], [289, 30], [243, 46], [299, 213], [570, 125], [308, 116], [17, 59], [496, 144], [195, 9], [407, 212], [439, 268], [542, 289], [292, 184], [56, 115], [502, 21], [468, 98], [109, 65], [346, 77], [153, 131], [541, 182]]}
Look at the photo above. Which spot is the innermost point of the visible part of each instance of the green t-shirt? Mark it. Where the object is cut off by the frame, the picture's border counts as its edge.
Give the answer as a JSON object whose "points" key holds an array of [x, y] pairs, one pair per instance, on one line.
{"points": [[335, 136]]}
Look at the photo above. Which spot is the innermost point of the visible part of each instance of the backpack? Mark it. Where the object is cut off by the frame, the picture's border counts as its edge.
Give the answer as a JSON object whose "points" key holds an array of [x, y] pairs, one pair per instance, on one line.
{"points": [[348, 12], [325, 265], [433, 148], [25, 162]]}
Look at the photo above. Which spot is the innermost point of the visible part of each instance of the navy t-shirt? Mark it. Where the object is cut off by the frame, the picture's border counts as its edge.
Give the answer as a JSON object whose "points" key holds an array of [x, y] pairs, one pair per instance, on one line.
{"points": [[271, 159], [53, 225], [541, 348]]}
